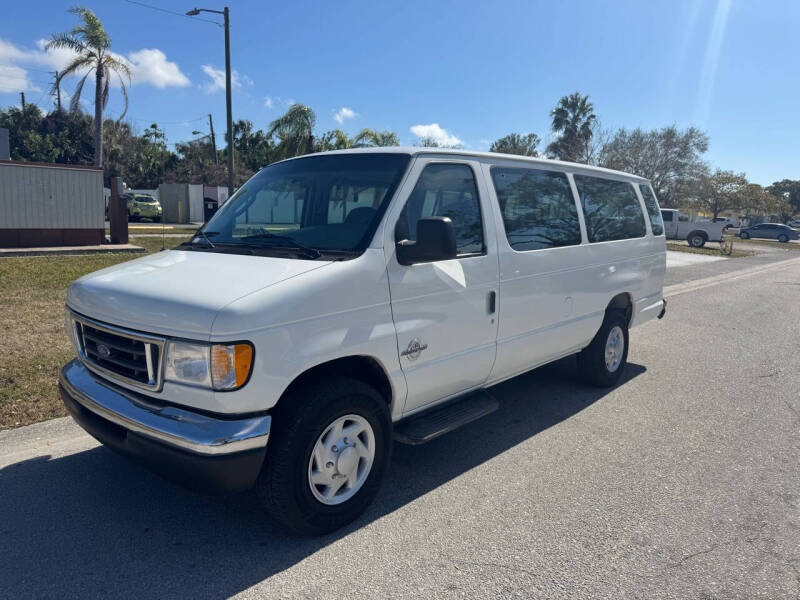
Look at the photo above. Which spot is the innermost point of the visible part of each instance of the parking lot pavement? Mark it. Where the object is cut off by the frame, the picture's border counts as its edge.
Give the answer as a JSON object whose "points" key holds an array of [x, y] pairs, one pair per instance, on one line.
{"points": [[682, 482], [686, 259], [764, 255]]}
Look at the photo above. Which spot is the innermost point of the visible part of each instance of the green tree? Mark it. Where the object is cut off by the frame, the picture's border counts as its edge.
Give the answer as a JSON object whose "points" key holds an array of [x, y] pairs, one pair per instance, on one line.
{"points": [[670, 158], [333, 140], [573, 124], [72, 136], [24, 140], [721, 190], [254, 148], [429, 142], [514, 143], [56, 138], [370, 137], [295, 131], [92, 44], [788, 190]]}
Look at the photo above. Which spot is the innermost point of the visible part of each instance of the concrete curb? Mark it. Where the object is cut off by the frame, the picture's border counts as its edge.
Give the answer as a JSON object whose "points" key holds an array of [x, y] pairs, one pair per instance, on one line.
{"points": [[71, 250]]}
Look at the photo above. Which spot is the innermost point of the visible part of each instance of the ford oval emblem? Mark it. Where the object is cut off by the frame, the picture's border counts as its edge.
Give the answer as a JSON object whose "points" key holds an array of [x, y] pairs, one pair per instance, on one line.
{"points": [[103, 350]]}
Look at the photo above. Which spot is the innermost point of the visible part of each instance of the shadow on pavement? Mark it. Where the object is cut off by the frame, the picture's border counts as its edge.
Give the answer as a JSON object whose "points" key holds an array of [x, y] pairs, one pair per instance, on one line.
{"points": [[94, 524]]}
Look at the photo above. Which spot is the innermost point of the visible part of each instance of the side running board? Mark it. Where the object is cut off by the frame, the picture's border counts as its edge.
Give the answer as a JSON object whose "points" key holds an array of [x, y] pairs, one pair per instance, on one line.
{"points": [[431, 424]]}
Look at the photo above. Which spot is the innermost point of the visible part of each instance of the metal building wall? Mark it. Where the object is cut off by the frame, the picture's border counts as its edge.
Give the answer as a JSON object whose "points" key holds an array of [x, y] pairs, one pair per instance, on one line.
{"points": [[50, 205]]}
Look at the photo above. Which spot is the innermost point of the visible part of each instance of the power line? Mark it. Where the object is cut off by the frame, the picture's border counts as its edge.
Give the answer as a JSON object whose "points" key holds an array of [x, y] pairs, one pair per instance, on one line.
{"points": [[172, 12]]}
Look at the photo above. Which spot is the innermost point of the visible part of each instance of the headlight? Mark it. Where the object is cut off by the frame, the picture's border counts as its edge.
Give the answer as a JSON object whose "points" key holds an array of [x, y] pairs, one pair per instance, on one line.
{"points": [[217, 366]]}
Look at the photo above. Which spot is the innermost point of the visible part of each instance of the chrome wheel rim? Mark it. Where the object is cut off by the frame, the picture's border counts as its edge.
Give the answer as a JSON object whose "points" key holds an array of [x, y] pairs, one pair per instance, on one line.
{"points": [[341, 459], [615, 347]]}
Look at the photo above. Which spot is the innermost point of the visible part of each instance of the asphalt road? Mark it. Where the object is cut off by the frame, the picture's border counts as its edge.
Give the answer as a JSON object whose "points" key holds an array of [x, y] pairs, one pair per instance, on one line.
{"points": [[680, 483]]}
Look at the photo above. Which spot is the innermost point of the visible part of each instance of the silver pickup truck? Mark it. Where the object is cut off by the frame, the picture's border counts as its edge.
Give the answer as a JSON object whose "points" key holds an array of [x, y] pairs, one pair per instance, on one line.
{"points": [[679, 226]]}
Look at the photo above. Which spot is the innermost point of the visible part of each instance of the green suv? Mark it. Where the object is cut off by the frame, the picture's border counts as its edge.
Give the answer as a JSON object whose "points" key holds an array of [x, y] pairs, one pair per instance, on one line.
{"points": [[143, 206]]}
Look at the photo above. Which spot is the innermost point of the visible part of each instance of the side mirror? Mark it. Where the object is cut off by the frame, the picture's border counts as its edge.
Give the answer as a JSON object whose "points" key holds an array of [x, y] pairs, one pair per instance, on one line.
{"points": [[436, 240]]}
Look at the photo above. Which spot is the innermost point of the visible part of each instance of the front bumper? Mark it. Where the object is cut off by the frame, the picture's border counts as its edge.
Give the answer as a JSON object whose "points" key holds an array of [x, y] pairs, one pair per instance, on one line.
{"points": [[197, 450]]}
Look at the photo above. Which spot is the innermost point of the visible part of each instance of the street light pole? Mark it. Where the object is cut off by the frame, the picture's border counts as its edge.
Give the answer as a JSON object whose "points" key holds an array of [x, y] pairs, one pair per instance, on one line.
{"points": [[225, 13]]}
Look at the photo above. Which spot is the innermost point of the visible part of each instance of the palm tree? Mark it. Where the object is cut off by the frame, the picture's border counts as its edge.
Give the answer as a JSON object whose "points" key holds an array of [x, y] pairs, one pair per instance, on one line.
{"points": [[370, 137], [333, 140], [295, 131], [92, 45], [573, 123]]}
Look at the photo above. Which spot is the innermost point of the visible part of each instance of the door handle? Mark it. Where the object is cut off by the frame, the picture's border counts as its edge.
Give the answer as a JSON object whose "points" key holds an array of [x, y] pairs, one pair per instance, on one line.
{"points": [[491, 302]]}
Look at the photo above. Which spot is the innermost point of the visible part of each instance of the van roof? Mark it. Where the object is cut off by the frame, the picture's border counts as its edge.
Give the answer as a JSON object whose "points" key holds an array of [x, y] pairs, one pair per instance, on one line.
{"points": [[545, 162]]}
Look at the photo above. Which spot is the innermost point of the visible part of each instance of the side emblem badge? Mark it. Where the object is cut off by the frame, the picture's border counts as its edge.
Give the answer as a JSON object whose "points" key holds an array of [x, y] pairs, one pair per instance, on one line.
{"points": [[415, 348]]}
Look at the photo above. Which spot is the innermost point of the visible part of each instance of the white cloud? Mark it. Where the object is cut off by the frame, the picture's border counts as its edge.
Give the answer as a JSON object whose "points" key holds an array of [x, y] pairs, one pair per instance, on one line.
{"points": [[441, 136], [148, 65], [15, 79], [343, 114], [268, 102], [217, 79]]}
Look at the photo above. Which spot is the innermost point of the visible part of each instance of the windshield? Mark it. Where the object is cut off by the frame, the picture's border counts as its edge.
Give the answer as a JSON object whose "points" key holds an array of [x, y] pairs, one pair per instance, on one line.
{"points": [[145, 199], [327, 203]]}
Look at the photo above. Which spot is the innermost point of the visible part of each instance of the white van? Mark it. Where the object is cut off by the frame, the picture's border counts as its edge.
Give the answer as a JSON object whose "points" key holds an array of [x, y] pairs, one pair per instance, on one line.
{"points": [[340, 300]]}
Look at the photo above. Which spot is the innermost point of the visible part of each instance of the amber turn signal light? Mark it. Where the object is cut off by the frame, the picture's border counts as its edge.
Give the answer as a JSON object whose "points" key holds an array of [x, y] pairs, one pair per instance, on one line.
{"points": [[230, 365]]}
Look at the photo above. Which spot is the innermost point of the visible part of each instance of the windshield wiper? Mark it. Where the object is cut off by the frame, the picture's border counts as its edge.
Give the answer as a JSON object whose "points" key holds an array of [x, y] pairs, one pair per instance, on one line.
{"points": [[283, 241], [204, 235]]}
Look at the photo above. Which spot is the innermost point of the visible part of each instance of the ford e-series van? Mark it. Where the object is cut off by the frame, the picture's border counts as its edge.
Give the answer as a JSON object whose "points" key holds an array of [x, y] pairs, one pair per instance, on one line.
{"points": [[342, 300]]}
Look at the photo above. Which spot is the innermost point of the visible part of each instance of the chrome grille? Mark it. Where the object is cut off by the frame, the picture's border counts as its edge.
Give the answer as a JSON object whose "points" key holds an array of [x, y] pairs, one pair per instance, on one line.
{"points": [[119, 353]]}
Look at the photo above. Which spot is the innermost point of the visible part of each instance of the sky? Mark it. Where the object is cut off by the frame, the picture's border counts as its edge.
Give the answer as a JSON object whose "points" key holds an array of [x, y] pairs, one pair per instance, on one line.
{"points": [[465, 72]]}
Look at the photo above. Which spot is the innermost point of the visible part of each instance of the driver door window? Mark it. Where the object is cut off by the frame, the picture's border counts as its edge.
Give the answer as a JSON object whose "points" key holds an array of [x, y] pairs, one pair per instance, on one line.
{"points": [[446, 190]]}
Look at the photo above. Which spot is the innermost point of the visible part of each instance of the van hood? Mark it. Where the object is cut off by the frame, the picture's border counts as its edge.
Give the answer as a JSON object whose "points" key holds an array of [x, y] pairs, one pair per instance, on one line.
{"points": [[176, 292]]}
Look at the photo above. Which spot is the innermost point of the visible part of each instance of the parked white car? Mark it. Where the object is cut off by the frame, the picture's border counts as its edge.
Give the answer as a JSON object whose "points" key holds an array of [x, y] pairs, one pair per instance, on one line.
{"points": [[680, 226], [340, 300]]}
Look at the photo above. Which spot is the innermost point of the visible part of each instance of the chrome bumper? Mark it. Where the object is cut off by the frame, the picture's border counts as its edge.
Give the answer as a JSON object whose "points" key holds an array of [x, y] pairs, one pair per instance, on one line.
{"points": [[175, 427]]}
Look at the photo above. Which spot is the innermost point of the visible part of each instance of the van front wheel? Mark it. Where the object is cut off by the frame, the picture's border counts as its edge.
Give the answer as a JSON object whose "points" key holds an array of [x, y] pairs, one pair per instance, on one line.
{"points": [[327, 456], [601, 363]]}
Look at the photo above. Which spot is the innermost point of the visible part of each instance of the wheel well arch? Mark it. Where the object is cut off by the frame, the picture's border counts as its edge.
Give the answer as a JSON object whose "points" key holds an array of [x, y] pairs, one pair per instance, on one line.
{"points": [[701, 232], [363, 368], [624, 302]]}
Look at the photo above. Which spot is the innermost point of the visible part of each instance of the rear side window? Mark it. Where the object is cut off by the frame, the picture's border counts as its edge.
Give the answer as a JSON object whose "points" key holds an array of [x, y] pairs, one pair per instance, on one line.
{"points": [[667, 215], [650, 203], [445, 190], [538, 208], [611, 209]]}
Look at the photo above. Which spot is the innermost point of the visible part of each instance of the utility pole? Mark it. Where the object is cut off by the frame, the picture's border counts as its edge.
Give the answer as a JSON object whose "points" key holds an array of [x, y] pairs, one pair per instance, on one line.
{"points": [[57, 87], [213, 139], [22, 95], [225, 13], [228, 100]]}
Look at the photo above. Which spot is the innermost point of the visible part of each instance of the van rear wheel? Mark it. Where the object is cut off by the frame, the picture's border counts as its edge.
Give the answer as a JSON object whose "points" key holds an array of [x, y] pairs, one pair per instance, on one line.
{"points": [[327, 456], [602, 362]]}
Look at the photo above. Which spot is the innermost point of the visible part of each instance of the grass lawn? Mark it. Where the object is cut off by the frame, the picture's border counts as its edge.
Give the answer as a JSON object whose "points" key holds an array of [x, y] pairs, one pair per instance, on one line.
{"points": [[710, 249], [33, 345]]}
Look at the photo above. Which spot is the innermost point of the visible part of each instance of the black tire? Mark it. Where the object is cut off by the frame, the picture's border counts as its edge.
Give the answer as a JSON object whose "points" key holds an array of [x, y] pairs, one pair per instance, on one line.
{"points": [[156, 219], [592, 359], [783, 238], [283, 487], [744, 235], [697, 240]]}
